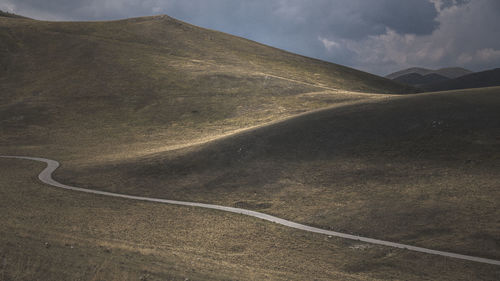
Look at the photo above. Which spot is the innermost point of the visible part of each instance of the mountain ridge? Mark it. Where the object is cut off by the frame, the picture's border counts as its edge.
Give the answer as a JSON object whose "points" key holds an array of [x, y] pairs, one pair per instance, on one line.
{"points": [[416, 79], [449, 72], [487, 78]]}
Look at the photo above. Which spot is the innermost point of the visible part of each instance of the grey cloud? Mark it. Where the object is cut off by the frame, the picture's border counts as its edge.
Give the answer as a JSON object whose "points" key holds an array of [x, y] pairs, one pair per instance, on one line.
{"points": [[409, 16], [467, 36]]}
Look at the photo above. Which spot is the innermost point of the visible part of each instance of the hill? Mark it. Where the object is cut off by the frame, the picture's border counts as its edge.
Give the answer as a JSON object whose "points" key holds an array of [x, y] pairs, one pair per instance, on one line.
{"points": [[419, 169], [10, 15], [412, 70], [489, 78], [157, 107], [416, 79], [156, 82], [449, 72]]}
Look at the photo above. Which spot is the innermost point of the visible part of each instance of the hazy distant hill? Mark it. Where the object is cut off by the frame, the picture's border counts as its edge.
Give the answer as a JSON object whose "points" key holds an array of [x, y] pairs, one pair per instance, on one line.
{"points": [[416, 79], [449, 72], [487, 78]]}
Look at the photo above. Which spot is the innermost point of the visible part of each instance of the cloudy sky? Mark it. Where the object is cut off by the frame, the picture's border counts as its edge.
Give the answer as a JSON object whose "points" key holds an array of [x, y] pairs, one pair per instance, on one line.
{"points": [[378, 36]]}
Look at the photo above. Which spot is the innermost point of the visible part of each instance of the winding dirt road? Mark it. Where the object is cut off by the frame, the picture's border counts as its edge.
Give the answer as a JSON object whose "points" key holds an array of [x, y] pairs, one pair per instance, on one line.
{"points": [[46, 177]]}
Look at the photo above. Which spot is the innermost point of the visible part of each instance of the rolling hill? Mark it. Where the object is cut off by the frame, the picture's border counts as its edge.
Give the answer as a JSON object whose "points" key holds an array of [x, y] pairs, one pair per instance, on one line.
{"points": [[389, 166], [449, 72], [156, 82], [416, 79], [489, 78], [446, 78], [157, 107], [418, 169]]}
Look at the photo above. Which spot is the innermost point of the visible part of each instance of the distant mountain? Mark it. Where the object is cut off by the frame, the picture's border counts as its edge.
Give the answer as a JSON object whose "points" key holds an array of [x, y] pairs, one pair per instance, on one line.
{"points": [[413, 70], [487, 78], [453, 72], [416, 79], [449, 72]]}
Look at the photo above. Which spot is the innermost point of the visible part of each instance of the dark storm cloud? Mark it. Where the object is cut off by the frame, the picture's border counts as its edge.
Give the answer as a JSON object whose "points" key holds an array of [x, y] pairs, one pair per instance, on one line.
{"points": [[371, 35]]}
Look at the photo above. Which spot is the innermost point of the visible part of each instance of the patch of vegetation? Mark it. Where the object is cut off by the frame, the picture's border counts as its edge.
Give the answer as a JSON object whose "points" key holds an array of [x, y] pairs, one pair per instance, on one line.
{"points": [[10, 15]]}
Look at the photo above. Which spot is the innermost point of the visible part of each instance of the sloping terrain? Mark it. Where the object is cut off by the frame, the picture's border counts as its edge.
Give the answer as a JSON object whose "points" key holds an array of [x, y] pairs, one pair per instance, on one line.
{"points": [[449, 72], [151, 83], [416, 79], [489, 78], [421, 170], [254, 127], [416, 70], [10, 15], [452, 72], [52, 234]]}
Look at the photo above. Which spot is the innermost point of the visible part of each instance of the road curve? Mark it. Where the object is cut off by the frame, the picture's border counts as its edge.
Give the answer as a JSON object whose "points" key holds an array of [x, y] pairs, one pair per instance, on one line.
{"points": [[46, 177]]}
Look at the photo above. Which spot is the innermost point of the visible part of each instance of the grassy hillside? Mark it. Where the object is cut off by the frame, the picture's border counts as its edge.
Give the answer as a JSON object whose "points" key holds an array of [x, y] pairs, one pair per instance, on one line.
{"points": [[52, 234], [416, 169], [157, 107], [421, 170], [155, 82]]}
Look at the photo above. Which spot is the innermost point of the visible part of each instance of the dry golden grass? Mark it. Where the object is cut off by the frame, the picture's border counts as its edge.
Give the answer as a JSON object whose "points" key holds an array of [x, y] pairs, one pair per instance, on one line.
{"points": [[150, 84], [52, 234], [160, 108], [420, 170]]}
